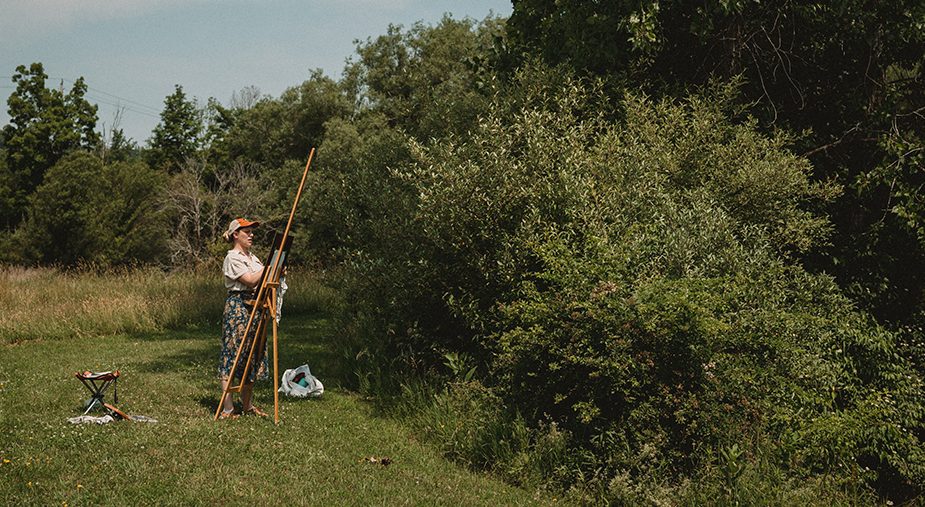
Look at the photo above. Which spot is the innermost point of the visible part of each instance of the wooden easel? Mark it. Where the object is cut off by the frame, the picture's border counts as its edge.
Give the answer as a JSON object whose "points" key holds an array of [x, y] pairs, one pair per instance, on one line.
{"points": [[265, 306]]}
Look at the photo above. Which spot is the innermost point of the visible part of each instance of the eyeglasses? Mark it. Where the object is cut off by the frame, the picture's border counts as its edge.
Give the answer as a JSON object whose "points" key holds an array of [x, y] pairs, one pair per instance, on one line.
{"points": [[246, 231]]}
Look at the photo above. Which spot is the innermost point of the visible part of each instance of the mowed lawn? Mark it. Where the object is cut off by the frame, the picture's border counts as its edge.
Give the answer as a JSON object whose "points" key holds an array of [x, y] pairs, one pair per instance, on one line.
{"points": [[316, 456]]}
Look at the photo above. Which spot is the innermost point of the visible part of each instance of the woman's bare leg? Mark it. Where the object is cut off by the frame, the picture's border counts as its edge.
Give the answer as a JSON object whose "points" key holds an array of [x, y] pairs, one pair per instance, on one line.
{"points": [[247, 393], [227, 405], [247, 401]]}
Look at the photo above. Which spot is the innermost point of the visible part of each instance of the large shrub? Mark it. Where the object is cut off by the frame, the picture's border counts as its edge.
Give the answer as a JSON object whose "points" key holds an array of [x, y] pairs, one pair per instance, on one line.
{"points": [[88, 211], [633, 283]]}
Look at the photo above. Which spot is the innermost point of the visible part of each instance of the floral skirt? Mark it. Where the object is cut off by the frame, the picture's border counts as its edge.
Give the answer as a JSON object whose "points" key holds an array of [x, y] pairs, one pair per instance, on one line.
{"points": [[234, 322]]}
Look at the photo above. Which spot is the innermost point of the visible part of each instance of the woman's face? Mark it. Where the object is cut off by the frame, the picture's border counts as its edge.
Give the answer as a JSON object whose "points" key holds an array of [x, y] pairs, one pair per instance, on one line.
{"points": [[244, 237]]}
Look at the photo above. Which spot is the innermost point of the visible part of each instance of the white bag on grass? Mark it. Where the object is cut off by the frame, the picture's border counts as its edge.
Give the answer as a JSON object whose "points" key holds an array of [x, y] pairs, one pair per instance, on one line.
{"points": [[300, 382]]}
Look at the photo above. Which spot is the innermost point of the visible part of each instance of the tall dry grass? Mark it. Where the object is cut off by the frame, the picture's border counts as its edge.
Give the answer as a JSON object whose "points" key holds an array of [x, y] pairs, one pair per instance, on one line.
{"points": [[48, 303]]}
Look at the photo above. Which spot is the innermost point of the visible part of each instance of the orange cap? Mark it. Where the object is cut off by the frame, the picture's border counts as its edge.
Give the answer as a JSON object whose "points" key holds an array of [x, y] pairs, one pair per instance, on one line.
{"points": [[236, 224]]}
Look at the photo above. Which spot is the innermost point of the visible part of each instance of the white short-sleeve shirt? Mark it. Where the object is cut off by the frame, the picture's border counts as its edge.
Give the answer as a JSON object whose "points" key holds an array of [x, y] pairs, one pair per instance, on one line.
{"points": [[238, 263]]}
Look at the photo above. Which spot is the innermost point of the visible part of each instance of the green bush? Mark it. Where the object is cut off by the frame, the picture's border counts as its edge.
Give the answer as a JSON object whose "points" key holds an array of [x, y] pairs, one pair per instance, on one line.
{"points": [[75, 215], [633, 282]]}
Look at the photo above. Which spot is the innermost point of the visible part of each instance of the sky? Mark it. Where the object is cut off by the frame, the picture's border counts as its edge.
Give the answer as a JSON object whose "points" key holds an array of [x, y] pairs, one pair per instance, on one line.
{"points": [[131, 53]]}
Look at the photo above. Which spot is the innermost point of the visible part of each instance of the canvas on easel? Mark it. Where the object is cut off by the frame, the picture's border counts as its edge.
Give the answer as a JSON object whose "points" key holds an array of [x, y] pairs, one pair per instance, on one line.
{"points": [[279, 251]]}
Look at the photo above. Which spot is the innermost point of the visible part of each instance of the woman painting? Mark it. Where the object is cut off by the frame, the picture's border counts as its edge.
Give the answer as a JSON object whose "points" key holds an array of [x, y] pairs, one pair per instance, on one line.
{"points": [[243, 271]]}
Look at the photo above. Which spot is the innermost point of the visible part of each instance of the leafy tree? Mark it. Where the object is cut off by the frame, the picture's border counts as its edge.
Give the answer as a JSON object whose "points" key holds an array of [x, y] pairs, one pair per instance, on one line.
{"points": [[75, 216], [62, 214], [272, 131], [115, 145], [848, 76], [132, 224], [350, 194], [44, 125], [7, 190], [121, 148], [430, 80], [177, 137]]}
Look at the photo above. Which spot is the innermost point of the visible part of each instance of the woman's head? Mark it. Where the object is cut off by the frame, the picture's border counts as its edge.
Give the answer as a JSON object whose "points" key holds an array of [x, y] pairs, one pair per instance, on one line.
{"points": [[240, 232]]}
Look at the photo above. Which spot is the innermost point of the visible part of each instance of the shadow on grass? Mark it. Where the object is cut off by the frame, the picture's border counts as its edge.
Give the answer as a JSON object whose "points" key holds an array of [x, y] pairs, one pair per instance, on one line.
{"points": [[208, 402], [311, 340], [303, 339]]}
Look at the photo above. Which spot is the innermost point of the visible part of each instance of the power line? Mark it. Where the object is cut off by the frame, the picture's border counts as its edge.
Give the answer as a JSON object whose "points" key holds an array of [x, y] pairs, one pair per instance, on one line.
{"points": [[147, 111], [122, 106], [151, 111], [97, 90]]}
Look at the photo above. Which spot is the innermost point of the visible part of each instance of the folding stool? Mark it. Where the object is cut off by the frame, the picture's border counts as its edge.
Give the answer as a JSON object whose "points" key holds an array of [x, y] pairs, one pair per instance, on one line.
{"points": [[97, 382]]}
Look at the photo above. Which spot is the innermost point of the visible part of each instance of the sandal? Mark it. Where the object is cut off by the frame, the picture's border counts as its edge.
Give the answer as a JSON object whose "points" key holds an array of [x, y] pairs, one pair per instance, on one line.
{"points": [[228, 415], [256, 411]]}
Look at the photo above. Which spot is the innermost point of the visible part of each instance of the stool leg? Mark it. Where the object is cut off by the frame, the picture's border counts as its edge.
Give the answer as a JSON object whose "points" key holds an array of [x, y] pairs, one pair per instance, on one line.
{"points": [[96, 393], [95, 400]]}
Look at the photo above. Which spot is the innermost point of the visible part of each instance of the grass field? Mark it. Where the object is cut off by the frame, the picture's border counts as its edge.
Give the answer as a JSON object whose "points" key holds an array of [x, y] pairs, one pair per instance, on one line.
{"points": [[316, 456]]}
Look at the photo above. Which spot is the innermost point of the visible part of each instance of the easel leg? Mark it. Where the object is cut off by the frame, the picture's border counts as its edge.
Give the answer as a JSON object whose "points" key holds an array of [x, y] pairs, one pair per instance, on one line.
{"points": [[237, 357], [271, 304], [275, 375]]}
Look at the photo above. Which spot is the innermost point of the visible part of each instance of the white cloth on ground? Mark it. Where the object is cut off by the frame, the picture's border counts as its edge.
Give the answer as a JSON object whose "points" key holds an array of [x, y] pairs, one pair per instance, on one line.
{"points": [[289, 384], [106, 419]]}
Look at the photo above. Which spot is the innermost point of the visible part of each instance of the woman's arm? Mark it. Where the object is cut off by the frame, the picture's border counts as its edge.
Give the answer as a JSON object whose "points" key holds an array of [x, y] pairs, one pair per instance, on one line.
{"points": [[251, 279]]}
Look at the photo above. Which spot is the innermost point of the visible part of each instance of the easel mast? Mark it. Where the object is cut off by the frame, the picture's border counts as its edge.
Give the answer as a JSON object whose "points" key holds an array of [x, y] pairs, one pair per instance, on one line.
{"points": [[265, 306]]}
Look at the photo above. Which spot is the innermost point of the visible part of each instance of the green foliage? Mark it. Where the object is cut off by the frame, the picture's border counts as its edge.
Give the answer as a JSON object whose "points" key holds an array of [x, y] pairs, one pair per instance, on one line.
{"points": [[634, 283], [131, 224], [44, 125], [273, 131], [575, 31], [75, 217], [120, 148], [178, 135], [847, 77], [350, 193], [430, 80], [606, 288], [809, 65], [7, 190]]}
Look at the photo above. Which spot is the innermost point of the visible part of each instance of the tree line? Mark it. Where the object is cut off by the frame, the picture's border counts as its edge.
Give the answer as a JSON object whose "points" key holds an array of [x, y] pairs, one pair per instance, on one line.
{"points": [[651, 240]]}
